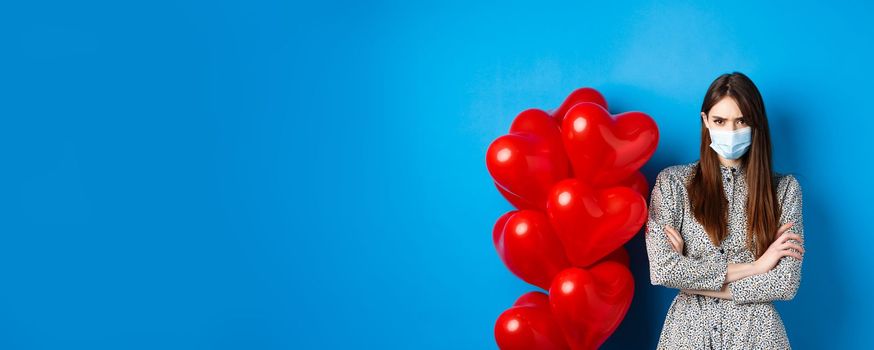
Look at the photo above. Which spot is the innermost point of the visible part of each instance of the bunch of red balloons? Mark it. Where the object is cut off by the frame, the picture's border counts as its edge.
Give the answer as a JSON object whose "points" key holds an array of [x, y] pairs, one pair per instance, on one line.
{"points": [[573, 175]]}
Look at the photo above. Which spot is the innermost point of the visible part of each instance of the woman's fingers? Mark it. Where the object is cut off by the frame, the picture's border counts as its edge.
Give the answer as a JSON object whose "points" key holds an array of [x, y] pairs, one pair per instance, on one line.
{"points": [[784, 228], [786, 237], [794, 246], [671, 237], [675, 239], [793, 254], [673, 234], [785, 249], [677, 236], [789, 235]]}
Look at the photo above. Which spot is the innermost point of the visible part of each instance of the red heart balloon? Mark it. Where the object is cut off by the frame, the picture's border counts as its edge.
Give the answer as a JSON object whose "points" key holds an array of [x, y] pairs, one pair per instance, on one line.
{"points": [[538, 122], [589, 304], [592, 223], [498, 232], [532, 299], [528, 324], [529, 160], [619, 255], [605, 150], [578, 96], [638, 183], [530, 249], [516, 201]]}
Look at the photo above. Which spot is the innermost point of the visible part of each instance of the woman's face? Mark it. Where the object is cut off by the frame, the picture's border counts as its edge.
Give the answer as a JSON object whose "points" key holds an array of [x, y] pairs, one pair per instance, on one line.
{"points": [[724, 115]]}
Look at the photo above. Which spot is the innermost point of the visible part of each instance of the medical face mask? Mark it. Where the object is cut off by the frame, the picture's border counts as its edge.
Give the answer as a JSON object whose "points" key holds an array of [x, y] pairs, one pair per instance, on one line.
{"points": [[731, 144]]}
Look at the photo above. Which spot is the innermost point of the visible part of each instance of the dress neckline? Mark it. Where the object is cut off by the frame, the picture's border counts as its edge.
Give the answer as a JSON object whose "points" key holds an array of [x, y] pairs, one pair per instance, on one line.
{"points": [[725, 169]]}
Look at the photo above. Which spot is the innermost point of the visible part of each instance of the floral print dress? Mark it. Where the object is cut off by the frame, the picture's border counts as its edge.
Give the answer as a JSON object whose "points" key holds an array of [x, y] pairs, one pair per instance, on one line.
{"points": [[693, 321]]}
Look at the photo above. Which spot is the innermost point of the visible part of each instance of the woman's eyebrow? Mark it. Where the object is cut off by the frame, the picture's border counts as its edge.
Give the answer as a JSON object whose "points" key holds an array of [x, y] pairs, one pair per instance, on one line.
{"points": [[724, 118]]}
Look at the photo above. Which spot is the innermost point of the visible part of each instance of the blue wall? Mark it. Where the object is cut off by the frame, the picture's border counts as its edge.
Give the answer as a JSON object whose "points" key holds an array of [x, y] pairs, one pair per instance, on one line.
{"points": [[266, 175]]}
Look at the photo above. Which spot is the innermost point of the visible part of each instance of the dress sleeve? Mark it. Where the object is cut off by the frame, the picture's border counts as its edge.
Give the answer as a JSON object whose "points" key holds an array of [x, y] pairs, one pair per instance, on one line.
{"points": [[667, 267], [781, 283]]}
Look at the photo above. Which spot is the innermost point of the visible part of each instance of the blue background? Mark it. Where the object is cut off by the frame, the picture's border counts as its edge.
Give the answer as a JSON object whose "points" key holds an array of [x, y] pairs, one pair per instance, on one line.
{"points": [[273, 175]]}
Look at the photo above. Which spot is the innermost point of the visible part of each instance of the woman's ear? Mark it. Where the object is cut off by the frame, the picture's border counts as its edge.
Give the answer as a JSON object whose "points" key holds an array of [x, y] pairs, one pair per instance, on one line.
{"points": [[704, 119]]}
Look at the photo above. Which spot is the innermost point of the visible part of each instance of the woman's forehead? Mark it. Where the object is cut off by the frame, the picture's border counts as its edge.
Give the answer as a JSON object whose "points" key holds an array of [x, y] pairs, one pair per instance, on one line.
{"points": [[726, 108]]}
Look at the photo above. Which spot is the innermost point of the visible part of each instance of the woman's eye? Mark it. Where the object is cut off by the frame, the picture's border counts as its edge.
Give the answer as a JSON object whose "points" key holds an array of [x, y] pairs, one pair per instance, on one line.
{"points": [[742, 121], [719, 122]]}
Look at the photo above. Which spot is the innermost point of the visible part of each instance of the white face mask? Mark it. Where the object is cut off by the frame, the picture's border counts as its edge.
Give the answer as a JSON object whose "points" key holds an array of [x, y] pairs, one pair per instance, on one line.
{"points": [[731, 144]]}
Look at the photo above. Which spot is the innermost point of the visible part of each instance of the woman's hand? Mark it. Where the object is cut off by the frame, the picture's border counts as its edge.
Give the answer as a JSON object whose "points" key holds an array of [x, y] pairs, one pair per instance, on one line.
{"points": [[780, 248], [675, 238]]}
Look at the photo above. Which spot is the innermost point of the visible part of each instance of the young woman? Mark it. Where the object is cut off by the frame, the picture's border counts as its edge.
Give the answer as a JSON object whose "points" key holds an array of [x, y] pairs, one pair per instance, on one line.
{"points": [[726, 230]]}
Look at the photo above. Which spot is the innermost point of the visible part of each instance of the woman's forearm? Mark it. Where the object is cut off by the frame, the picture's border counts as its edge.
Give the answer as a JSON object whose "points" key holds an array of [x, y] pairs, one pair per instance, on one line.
{"points": [[740, 271], [734, 272]]}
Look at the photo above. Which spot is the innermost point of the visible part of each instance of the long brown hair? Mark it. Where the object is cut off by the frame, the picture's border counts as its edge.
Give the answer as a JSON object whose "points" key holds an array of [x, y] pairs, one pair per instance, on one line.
{"points": [[705, 187]]}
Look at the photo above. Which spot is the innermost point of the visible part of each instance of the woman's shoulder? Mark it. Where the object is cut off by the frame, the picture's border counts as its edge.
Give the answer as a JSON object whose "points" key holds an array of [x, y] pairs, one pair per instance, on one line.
{"points": [[678, 173], [787, 183]]}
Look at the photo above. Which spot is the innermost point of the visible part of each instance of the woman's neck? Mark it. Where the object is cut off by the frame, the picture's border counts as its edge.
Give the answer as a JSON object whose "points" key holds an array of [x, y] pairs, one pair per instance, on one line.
{"points": [[734, 163]]}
